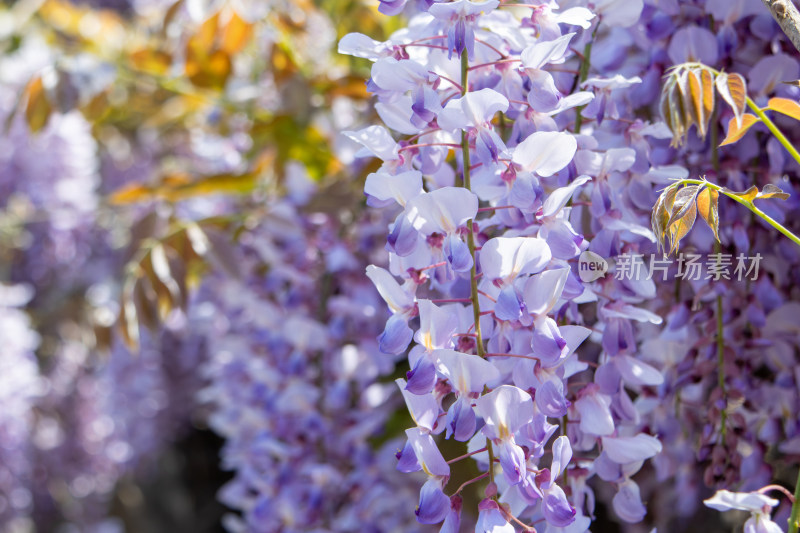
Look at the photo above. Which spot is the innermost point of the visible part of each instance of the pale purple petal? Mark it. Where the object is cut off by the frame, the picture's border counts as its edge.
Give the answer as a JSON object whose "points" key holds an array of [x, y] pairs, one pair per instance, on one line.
{"points": [[467, 373], [512, 459], [424, 409], [376, 141], [625, 450], [428, 455], [562, 454], [724, 500], [595, 410], [434, 505], [545, 152], [422, 377], [457, 253], [555, 507], [542, 291], [505, 410], [635, 372], [508, 257], [387, 188], [627, 503], [396, 335], [461, 420], [540, 53], [559, 198]]}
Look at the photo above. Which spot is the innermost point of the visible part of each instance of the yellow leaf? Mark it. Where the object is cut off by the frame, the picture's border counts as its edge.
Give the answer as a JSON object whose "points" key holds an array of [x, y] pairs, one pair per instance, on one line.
{"points": [[772, 191], [736, 132], [38, 108], [681, 226], [707, 86], [707, 206], [177, 187], [151, 61], [733, 90], [785, 106], [685, 99], [660, 215], [236, 34], [684, 213], [748, 196]]}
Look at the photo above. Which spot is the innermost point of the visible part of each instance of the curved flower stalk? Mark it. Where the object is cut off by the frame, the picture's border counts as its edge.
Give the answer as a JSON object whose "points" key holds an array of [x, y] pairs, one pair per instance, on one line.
{"points": [[500, 366]]}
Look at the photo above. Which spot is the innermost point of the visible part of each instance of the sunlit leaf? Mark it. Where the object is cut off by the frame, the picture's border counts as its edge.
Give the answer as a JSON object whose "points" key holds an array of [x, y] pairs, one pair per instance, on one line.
{"points": [[748, 196], [701, 86], [733, 89], [708, 208], [178, 187], [735, 132], [151, 61], [38, 108], [785, 106], [684, 213], [677, 116], [660, 215], [236, 34], [772, 191], [685, 99], [128, 318]]}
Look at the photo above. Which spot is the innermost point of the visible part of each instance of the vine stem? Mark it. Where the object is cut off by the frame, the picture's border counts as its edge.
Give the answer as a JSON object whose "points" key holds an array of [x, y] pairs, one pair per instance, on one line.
{"points": [[583, 73], [473, 280], [794, 518], [768, 219], [774, 130]]}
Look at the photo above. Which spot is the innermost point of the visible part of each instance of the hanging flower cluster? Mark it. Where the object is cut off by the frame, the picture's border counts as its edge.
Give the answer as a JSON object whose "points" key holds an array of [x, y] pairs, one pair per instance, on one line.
{"points": [[293, 378], [495, 197]]}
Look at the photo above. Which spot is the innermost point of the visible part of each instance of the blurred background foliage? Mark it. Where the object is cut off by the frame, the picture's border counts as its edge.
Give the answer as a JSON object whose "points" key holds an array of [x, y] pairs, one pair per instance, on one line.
{"points": [[193, 116]]}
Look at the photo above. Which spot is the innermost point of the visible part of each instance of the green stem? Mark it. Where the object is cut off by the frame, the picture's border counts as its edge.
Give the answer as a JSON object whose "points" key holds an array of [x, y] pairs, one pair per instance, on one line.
{"points": [[769, 220], [774, 129], [720, 326], [721, 365], [794, 518], [583, 73], [473, 280]]}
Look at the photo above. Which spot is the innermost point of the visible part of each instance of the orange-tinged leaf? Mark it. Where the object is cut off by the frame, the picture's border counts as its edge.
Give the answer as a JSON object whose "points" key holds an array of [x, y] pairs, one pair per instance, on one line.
{"points": [[785, 106], [708, 208], [677, 115], [733, 90], [177, 187], [748, 196], [694, 101], [684, 213], [660, 215], [772, 191], [202, 42], [735, 132], [151, 61], [683, 202], [38, 108], [685, 99], [236, 34], [680, 227], [212, 72], [707, 87]]}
